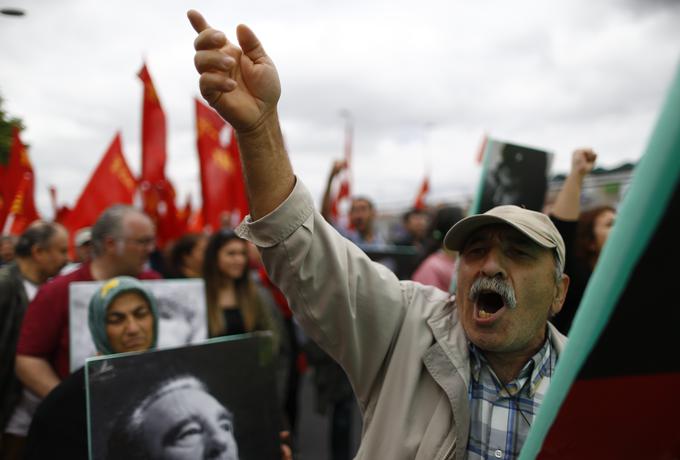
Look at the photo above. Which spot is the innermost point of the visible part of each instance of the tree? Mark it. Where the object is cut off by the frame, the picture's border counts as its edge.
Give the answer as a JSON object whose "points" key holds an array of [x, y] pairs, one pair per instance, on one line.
{"points": [[6, 124]]}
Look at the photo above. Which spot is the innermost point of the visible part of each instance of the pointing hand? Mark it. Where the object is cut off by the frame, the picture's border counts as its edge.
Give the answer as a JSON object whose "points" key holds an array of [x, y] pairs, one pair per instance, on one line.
{"points": [[241, 83]]}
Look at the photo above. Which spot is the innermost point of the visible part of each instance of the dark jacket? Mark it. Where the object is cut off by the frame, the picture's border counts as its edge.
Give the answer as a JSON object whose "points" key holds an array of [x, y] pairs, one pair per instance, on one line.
{"points": [[59, 425], [13, 303]]}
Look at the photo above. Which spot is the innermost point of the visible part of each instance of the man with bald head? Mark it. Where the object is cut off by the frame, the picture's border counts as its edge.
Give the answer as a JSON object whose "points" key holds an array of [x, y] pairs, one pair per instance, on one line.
{"points": [[122, 239], [436, 376]]}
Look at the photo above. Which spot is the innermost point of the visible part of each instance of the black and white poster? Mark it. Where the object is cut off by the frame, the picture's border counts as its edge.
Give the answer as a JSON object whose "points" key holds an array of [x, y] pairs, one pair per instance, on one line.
{"points": [[181, 307], [513, 174], [213, 400]]}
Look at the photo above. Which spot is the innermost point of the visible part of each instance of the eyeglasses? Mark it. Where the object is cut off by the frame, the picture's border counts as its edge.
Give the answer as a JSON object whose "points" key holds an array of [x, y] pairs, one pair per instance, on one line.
{"points": [[144, 241]]}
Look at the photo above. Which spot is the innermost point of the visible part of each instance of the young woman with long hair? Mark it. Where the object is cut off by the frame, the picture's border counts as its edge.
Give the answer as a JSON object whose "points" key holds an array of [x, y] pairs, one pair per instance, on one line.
{"points": [[236, 305]]}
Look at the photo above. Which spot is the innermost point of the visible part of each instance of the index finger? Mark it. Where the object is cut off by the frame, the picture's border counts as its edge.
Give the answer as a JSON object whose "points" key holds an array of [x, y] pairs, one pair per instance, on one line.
{"points": [[197, 21]]}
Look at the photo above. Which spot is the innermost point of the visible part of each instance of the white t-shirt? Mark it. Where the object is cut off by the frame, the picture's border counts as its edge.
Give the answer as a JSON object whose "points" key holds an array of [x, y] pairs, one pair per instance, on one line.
{"points": [[31, 289]]}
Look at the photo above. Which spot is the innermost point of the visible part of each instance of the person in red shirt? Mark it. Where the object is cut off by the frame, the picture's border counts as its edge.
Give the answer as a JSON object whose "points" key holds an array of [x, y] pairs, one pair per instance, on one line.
{"points": [[122, 239]]}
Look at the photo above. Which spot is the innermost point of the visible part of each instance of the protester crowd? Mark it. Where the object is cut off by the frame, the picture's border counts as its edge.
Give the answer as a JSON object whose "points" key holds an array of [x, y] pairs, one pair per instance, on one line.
{"points": [[240, 298], [353, 351]]}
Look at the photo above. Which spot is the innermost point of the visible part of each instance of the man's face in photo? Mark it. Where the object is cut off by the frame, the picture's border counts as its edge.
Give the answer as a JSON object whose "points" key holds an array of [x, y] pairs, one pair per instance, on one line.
{"points": [[188, 423]]}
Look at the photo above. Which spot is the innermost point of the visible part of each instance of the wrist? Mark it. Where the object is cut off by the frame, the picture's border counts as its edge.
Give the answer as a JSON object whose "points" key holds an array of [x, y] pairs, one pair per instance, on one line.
{"points": [[268, 120], [576, 176]]}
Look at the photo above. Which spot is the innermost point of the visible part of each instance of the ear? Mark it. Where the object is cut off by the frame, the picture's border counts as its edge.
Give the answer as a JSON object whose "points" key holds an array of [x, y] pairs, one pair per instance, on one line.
{"points": [[561, 289], [37, 251], [110, 245]]}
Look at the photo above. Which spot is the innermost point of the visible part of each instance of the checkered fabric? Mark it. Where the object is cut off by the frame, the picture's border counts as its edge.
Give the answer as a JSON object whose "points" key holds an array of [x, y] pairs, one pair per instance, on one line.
{"points": [[500, 417]]}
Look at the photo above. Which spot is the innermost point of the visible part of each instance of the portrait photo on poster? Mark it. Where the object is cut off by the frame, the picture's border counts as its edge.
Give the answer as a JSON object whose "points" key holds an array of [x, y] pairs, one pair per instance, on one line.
{"points": [[181, 307], [212, 400], [514, 174]]}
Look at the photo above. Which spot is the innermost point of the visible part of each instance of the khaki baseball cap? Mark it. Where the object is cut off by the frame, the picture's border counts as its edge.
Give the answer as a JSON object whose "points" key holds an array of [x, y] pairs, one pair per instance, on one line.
{"points": [[533, 224]]}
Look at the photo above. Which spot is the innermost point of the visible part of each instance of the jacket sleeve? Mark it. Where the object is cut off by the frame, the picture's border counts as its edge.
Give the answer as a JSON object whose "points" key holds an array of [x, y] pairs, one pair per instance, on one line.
{"points": [[352, 307]]}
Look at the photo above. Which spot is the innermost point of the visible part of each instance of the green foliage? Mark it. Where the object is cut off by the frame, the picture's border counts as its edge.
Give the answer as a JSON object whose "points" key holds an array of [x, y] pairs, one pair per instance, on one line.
{"points": [[6, 124]]}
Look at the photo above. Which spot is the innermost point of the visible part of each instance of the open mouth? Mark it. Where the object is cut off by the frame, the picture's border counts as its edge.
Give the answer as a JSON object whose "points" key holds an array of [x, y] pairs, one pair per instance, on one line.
{"points": [[488, 304]]}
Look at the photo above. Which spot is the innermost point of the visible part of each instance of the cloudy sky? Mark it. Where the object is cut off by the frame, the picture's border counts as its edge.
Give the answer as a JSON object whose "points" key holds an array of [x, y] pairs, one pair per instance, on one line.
{"points": [[423, 81]]}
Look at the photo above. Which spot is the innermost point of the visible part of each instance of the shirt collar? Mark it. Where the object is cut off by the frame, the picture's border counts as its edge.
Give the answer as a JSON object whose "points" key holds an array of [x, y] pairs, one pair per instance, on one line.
{"points": [[536, 368]]}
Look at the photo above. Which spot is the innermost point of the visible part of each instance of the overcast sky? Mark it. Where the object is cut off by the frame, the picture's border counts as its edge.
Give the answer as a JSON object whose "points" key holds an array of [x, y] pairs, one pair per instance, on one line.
{"points": [[423, 81]]}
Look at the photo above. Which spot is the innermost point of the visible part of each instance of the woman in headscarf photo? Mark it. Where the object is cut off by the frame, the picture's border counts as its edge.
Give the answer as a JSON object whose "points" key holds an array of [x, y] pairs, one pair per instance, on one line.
{"points": [[122, 317]]}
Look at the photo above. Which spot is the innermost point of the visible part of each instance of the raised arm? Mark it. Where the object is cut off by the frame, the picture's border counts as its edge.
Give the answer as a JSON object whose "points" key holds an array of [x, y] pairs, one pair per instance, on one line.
{"points": [[567, 204], [36, 374], [243, 86]]}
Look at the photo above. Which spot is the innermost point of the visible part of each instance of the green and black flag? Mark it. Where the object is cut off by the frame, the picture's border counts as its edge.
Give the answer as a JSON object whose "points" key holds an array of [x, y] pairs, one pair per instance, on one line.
{"points": [[616, 389]]}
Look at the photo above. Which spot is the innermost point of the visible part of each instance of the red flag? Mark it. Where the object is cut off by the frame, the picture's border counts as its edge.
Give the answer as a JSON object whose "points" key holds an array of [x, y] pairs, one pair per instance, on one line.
{"points": [[422, 193], [195, 222], [13, 174], [53, 198], [159, 203], [60, 212], [157, 192], [222, 187], [111, 183], [342, 181], [153, 132], [22, 211], [184, 214]]}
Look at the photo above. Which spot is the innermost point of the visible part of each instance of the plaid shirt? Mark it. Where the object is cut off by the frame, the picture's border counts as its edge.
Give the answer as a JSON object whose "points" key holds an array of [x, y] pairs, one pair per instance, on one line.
{"points": [[498, 428]]}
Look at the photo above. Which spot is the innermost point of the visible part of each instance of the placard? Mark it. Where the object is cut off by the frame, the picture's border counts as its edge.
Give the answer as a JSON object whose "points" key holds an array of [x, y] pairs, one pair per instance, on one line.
{"points": [[181, 307], [213, 400]]}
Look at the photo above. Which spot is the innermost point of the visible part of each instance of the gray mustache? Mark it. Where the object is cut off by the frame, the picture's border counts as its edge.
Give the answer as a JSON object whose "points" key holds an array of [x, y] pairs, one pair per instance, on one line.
{"points": [[497, 285]]}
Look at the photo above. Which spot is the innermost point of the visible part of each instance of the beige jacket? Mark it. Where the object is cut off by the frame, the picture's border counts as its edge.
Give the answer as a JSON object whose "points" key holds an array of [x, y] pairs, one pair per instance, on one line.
{"points": [[400, 342]]}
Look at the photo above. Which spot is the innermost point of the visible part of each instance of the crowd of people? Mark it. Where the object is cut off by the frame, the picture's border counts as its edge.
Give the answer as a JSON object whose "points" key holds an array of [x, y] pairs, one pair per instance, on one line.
{"points": [[34, 303], [483, 309]]}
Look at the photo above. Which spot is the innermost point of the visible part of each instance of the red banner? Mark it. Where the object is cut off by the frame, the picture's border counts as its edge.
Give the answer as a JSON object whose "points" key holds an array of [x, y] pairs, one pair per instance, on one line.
{"points": [[422, 193], [153, 132], [222, 187], [13, 174], [111, 183], [22, 210], [158, 199], [342, 189], [157, 192]]}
